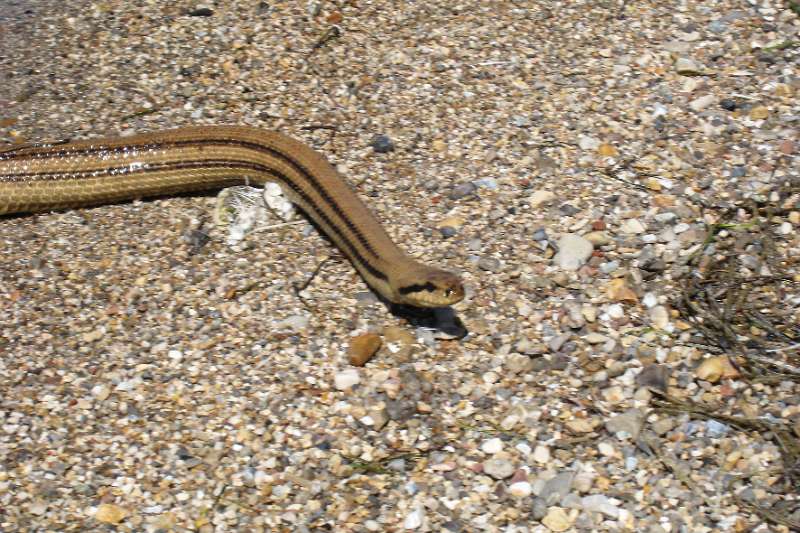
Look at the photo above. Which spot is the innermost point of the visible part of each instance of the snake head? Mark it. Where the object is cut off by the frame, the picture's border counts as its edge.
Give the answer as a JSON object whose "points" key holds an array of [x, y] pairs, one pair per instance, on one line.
{"points": [[428, 287]]}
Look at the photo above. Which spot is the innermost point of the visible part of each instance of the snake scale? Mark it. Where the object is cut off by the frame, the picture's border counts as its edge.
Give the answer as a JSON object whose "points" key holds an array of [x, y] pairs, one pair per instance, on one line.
{"points": [[51, 176]]}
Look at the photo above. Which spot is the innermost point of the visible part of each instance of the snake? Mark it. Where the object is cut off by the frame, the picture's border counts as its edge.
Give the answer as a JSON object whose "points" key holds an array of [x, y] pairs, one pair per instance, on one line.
{"points": [[41, 177]]}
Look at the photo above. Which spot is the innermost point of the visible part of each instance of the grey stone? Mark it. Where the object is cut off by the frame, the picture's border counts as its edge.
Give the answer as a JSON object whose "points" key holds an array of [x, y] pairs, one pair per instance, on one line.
{"points": [[557, 488], [653, 376], [461, 190], [573, 252], [498, 468], [628, 424]]}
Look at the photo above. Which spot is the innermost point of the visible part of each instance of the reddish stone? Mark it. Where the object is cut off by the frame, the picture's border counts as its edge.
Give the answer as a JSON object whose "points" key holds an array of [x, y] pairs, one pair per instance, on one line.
{"points": [[786, 147]]}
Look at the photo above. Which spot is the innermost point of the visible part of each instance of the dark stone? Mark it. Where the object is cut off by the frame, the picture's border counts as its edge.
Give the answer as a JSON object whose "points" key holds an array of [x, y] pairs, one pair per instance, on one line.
{"points": [[461, 190], [569, 209], [201, 12], [738, 171], [382, 144], [654, 265], [448, 231], [769, 59]]}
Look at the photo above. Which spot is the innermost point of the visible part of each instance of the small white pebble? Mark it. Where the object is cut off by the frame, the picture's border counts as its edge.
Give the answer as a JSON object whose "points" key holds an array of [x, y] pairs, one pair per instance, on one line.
{"points": [[615, 311], [346, 379], [607, 449], [650, 300], [100, 392], [541, 454], [492, 446], [414, 518], [523, 448], [490, 377], [520, 489]]}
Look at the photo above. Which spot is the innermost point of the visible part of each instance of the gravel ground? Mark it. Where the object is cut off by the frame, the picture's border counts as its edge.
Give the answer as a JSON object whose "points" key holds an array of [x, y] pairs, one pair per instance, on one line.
{"points": [[584, 164]]}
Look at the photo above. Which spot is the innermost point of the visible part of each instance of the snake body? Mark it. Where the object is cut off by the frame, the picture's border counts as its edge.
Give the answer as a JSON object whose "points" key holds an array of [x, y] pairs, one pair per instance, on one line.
{"points": [[44, 177]]}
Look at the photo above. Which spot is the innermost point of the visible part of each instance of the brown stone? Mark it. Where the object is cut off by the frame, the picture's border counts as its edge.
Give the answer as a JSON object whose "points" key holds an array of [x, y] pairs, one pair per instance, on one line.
{"points": [[363, 347]]}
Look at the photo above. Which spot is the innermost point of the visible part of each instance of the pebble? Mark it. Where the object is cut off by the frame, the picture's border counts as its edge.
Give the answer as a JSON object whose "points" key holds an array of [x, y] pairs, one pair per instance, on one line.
{"points": [[108, 513], [101, 392], [558, 341], [346, 379], [362, 348], [201, 11], [687, 67], [595, 338], [728, 104], [382, 144], [759, 113], [597, 503], [498, 468], [615, 311], [37, 507], [626, 425], [718, 26], [557, 519], [541, 454], [607, 449], [490, 264], [633, 226], [614, 395], [415, 518], [486, 183], [453, 222], [618, 290], [573, 252], [608, 268], [579, 425], [540, 198], [654, 376], [492, 446], [520, 489], [716, 429], [539, 235], [462, 190], [294, 323], [663, 426], [659, 317], [598, 238], [715, 368], [588, 143], [786, 147], [702, 102], [557, 487], [649, 300], [583, 482], [518, 363]]}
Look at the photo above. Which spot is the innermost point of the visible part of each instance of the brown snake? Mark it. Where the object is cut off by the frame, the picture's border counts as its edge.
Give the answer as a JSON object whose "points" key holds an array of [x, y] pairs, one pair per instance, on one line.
{"points": [[44, 177]]}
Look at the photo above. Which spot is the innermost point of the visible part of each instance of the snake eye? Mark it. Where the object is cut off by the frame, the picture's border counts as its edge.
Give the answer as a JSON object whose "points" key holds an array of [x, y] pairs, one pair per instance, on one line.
{"points": [[448, 291]]}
